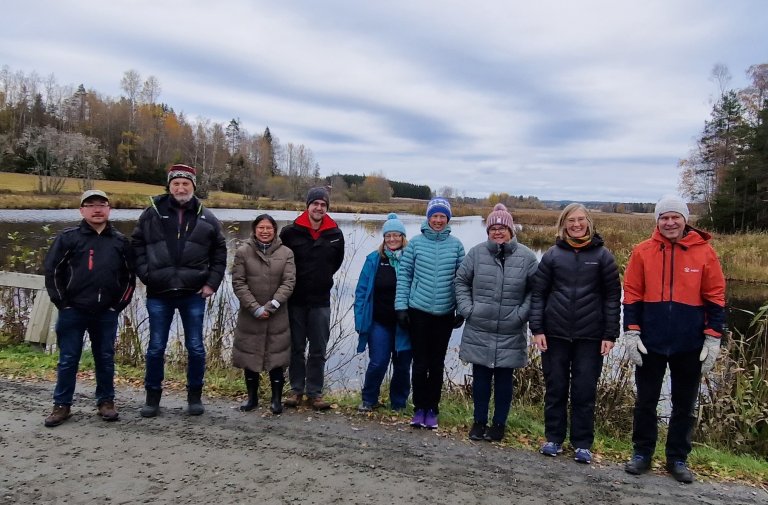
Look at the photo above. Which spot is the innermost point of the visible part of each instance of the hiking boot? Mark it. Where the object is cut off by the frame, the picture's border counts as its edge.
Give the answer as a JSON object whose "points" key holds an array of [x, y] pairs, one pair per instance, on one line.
{"points": [[551, 449], [477, 432], [365, 408], [495, 433], [430, 420], [679, 470], [639, 464], [417, 421], [194, 402], [152, 404], [59, 414], [318, 403], [583, 456], [293, 400], [107, 411]]}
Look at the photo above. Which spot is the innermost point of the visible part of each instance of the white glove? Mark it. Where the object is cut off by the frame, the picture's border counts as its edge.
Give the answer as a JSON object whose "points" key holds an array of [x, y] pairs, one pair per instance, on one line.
{"points": [[258, 312], [709, 354], [634, 346]]}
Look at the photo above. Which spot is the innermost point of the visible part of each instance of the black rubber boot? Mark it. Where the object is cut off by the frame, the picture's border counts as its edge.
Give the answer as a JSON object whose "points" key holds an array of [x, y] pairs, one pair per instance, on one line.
{"points": [[152, 405], [195, 403], [252, 386], [277, 381]]}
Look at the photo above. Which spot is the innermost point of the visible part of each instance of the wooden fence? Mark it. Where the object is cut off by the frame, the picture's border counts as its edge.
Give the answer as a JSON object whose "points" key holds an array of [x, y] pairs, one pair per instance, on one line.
{"points": [[42, 320]]}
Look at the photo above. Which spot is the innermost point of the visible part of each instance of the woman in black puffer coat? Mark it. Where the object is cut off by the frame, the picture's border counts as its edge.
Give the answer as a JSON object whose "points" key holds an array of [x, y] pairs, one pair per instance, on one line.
{"points": [[574, 319]]}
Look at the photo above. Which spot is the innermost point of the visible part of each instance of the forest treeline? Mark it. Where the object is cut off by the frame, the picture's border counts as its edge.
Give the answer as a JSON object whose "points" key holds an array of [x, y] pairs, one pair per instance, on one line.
{"points": [[727, 169], [57, 131]]}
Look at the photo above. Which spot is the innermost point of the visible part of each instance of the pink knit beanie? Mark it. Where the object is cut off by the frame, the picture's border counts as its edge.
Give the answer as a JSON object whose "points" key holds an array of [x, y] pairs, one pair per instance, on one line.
{"points": [[500, 215]]}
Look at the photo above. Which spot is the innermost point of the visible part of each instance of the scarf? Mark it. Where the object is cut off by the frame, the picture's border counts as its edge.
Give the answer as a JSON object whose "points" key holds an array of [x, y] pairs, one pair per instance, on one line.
{"points": [[394, 258], [578, 243]]}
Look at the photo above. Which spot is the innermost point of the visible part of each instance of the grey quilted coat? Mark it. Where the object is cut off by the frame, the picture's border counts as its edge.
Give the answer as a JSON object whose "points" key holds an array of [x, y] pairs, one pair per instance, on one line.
{"points": [[495, 299]]}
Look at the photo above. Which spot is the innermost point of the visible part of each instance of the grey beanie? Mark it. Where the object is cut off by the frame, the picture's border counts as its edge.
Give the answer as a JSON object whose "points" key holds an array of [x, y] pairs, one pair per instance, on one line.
{"points": [[318, 193], [671, 203]]}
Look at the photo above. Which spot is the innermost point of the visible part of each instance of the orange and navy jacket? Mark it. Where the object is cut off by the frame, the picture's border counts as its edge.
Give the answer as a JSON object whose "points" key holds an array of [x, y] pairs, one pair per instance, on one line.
{"points": [[674, 293]]}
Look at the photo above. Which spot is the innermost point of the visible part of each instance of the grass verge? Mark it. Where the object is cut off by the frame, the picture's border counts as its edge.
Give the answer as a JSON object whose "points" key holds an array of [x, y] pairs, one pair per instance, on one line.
{"points": [[525, 426]]}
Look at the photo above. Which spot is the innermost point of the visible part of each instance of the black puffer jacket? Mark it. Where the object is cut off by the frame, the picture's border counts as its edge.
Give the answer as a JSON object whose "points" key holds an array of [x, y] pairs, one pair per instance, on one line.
{"points": [[316, 260], [178, 250], [90, 271], [576, 293]]}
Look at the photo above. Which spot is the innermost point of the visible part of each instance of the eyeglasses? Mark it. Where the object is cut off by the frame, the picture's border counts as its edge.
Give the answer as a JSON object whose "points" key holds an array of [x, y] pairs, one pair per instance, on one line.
{"points": [[392, 235], [497, 229], [101, 205]]}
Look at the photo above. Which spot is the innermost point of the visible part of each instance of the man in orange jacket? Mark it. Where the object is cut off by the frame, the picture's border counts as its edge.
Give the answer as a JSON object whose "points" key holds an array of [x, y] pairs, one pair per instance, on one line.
{"points": [[674, 312]]}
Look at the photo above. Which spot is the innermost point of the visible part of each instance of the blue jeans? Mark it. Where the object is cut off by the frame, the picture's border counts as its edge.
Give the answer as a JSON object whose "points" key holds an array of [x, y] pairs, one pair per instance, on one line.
{"points": [[381, 348], [191, 310], [571, 366], [70, 330], [502, 380], [309, 325]]}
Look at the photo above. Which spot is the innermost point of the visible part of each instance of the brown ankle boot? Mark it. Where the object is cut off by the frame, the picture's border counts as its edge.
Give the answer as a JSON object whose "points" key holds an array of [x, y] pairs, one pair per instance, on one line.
{"points": [[59, 414], [293, 400], [107, 411], [319, 404]]}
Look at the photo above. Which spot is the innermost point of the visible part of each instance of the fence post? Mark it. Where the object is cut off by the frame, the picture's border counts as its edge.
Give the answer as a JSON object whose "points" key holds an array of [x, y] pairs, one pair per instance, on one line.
{"points": [[40, 328]]}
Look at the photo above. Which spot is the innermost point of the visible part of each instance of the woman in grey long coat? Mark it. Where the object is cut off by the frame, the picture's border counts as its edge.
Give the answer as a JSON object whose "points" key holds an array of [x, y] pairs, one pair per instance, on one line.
{"points": [[493, 294], [263, 277]]}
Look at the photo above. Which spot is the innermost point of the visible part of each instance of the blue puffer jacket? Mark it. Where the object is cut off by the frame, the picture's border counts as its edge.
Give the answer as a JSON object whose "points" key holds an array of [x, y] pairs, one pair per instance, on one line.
{"points": [[427, 271], [364, 307]]}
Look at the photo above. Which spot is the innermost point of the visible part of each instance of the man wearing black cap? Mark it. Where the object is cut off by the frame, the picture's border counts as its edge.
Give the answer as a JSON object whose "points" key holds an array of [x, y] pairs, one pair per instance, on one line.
{"points": [[181, 255], [318, 247], [89, 277]]}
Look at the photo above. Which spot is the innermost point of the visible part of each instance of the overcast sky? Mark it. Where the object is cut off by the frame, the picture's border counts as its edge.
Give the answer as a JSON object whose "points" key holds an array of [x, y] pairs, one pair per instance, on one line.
{"points": [[569, 99]]}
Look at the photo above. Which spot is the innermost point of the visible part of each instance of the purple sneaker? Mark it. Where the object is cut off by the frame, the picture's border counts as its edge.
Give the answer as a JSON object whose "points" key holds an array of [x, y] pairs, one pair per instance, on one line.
{"points": [[418, 418], [430, 420]]}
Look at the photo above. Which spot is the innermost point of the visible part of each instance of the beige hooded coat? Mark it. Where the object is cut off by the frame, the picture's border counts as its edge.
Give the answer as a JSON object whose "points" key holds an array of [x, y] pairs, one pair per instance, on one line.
{"points": [[257, 279]]}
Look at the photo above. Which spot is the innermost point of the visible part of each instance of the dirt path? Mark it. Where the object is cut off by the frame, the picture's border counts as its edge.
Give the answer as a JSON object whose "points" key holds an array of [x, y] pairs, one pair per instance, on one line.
{"points": [[301, 457]]}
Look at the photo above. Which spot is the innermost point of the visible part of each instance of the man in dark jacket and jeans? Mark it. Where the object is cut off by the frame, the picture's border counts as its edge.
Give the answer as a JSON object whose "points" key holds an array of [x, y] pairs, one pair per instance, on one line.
{"points": [[89, 277], [318, 247], [181, 255]]}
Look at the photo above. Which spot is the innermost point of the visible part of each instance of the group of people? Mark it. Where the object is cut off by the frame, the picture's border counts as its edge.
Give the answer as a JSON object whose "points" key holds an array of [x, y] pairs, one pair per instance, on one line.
{"points": [[674, 299], [179, 252], [410, 296]]}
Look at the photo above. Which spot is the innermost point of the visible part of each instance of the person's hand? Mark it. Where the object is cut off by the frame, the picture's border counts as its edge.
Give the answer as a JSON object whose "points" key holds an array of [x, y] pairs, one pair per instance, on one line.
{"points": [[634, 346], [709, 353], [458, 320], [402, 319], [206, 291], [540, 341], [605, 347]]}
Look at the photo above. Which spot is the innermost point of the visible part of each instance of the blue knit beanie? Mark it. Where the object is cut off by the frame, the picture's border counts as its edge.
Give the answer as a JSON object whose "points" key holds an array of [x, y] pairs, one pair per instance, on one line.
{"points": [[436, 205], [393, 224]]}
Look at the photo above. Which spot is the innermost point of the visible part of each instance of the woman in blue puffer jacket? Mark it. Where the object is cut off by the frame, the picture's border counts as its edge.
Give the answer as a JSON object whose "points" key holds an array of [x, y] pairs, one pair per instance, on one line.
{"points": [[376, 322], [425, 304]]}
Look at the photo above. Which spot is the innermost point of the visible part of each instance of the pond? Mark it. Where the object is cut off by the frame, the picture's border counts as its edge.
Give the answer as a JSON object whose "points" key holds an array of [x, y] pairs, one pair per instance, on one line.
{"points": [[362, 234]]}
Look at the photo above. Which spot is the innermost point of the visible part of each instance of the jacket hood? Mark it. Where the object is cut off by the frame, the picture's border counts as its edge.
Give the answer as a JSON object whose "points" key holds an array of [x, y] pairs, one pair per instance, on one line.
{"points": [[693, 236], [327, 223]]}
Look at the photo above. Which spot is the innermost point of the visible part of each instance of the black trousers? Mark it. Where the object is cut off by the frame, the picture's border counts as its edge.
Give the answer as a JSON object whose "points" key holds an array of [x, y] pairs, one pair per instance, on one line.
{"points": [[429, 343], [685, 375], [571, 367]]}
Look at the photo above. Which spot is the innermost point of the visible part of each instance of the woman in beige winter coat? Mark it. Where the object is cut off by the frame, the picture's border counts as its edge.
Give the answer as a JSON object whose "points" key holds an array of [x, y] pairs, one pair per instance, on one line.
{"points": [[263, 277]]}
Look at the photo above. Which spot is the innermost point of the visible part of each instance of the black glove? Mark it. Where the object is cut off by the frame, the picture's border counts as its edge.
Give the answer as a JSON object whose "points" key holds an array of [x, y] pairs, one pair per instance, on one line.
{"points": [[458, 321], [402, 319]]}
